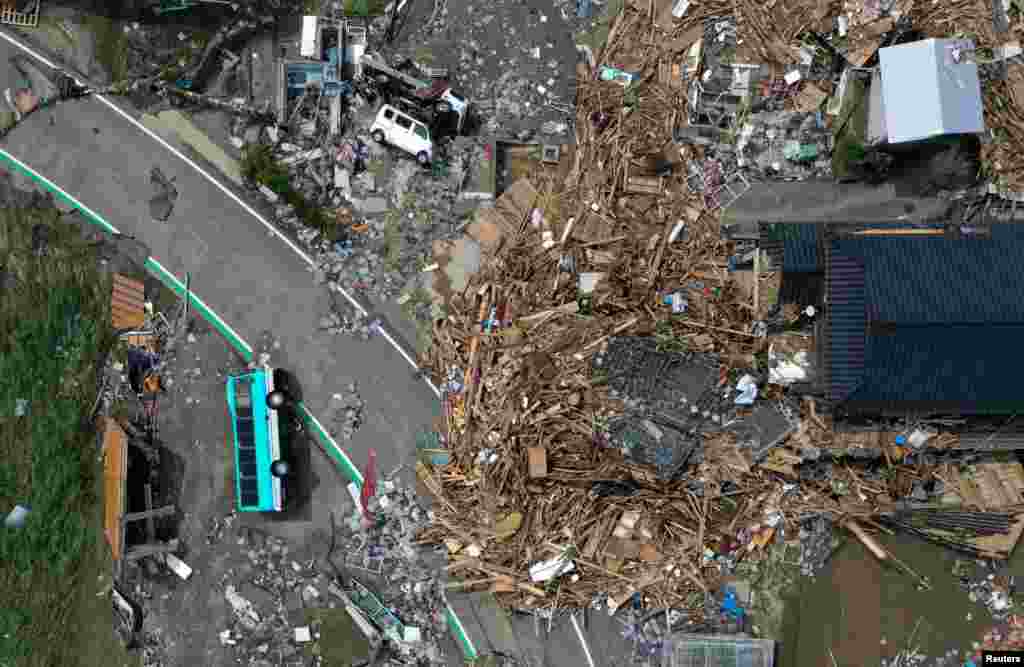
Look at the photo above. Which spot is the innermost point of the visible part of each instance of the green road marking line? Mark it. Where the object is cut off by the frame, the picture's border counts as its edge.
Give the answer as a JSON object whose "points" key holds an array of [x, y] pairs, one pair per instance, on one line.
{"points": [[331, 447], [152, 265], [455, 625], [23, 168], [175, 285], [243, 348]]}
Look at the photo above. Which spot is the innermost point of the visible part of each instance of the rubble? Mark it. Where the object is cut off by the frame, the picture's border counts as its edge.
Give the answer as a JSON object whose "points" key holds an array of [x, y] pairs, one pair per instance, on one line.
{"points": [[348, 412]]}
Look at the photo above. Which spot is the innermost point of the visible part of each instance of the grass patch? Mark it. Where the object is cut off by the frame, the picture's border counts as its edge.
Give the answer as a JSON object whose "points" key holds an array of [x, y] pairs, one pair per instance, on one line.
{"points": [[364, 7], [53, 330], [852, 128], [259, 165], [596, 37], [341, 641], [111, 45], [392, 241]]}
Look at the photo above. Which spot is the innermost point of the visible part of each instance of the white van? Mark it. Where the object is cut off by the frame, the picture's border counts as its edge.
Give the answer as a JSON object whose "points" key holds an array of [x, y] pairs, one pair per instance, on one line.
{"points": [[403, 131]]}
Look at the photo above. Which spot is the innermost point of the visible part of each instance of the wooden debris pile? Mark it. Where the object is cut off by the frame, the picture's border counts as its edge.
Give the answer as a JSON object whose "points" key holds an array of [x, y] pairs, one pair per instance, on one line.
{"points": [[534, 504]]}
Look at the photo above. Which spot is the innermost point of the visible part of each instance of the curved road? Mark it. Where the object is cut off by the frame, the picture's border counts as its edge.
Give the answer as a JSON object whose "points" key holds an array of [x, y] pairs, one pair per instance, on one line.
{"points": [[251, 278]]}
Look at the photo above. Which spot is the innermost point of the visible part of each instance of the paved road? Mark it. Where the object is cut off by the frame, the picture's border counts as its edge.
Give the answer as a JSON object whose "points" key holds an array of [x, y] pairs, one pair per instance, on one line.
{"points": [[251, 279]]}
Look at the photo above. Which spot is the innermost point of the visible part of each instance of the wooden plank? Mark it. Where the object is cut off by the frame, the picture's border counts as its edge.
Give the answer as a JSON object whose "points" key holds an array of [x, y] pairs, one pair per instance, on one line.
{"points": [[538, 461], [115, 472], [146, 550], [149, 515]]}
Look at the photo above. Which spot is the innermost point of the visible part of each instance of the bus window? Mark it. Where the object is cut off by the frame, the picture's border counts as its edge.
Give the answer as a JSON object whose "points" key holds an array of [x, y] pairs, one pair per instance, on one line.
{"points": [[252, 404]]}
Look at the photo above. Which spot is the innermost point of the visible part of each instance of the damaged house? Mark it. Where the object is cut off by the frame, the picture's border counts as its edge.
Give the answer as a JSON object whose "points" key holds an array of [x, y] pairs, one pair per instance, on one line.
{"points": [[916, 320]]}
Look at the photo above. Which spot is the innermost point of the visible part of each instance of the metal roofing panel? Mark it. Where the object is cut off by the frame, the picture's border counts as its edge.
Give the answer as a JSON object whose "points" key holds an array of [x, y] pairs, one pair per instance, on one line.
{"points": [[127, 303], [926, 93], [971, 365], [847, 325], [941, 280]]}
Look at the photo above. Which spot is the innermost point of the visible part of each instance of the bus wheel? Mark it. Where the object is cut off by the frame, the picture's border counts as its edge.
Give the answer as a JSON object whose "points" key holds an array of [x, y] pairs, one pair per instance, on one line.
{"points": [[280, 468], [276, 399]]}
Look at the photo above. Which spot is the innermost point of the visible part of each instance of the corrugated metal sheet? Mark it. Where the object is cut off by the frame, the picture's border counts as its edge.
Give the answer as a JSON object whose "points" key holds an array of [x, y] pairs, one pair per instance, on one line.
{"points": [[127, 303], [847, 324], [973, 366], [930, 280], [115, 473], [926, 93]]}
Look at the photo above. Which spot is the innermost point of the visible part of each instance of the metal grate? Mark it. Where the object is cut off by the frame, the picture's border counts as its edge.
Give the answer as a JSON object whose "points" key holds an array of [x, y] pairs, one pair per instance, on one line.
{"points": [[10, 16], [709, 651]]}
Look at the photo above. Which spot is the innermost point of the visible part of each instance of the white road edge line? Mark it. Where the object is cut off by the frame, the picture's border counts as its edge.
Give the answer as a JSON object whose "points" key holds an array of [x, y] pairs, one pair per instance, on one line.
{"points": [[276, 232]]}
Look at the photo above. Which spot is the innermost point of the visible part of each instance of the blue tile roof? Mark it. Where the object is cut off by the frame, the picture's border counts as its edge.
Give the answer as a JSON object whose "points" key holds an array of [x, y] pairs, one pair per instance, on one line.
{"points": [[974, 365], [939, 280], [957, 307], [848, 325]]}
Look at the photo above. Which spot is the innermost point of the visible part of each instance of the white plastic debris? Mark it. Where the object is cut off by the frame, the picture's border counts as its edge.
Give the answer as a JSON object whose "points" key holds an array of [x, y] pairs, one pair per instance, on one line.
{"points": [[225, 638], [676, 231], [178, 566], [793, 77], [809, 311], [303, 635], [785, 370], [550, 569], [272, 133], [237, 142], [918, 438], [844, 24], [747, 388], [412, 634], [20, 407], [680, 8], [269, 194], [16, 519]]}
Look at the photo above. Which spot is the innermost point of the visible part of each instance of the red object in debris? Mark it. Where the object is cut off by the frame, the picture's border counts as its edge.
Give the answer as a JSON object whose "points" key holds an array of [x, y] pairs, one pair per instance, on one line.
{"points": [[487, 152], [369, 483]]}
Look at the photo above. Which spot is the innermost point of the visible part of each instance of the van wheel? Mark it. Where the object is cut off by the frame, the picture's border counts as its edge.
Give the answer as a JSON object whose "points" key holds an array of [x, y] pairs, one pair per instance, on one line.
{"points": [[277, 399], [280, 468], [422, 158], [378, 136]]}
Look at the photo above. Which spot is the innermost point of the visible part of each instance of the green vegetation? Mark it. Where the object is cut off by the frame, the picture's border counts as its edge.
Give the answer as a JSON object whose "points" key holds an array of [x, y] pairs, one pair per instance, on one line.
{"points": [[111, 45], [597, 36], [667, 339], [365, 7], [392, 241], [851, 127], [341, 641], [53, 331], [259, 166]]}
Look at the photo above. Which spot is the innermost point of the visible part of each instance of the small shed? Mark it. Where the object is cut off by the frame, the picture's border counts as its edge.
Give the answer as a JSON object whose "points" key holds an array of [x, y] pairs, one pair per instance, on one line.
{"points": [[930, 88]]}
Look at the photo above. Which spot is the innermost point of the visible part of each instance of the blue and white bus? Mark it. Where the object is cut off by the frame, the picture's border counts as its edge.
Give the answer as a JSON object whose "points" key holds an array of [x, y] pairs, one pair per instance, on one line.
{"points": [[253, 408]]}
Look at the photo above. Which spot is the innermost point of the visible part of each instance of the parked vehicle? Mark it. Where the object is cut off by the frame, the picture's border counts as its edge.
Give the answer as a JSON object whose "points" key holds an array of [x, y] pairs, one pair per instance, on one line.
{"points": [[403, 131], [447, 108], [254, 405]]}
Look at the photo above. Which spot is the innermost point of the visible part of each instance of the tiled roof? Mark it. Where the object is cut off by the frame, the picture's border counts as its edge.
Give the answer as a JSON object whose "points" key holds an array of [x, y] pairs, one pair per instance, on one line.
{"points": [[940, 280], [974, 365], [848, 325], [955, 315]]}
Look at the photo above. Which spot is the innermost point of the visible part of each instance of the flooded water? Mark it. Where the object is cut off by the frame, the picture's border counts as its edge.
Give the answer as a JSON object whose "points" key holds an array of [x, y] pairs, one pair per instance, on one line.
{"points": [[862, 612]]}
